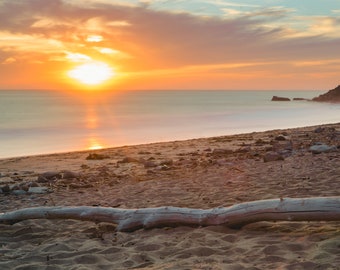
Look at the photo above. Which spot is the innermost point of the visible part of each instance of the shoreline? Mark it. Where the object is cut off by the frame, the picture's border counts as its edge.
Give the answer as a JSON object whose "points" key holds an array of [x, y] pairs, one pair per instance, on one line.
{"points": [[197, 173], [336, 124], [138, 119]]}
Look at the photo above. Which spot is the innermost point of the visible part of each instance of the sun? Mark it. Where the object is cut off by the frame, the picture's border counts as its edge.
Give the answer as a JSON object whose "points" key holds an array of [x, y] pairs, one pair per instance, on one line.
{"points": [[92, 73]]}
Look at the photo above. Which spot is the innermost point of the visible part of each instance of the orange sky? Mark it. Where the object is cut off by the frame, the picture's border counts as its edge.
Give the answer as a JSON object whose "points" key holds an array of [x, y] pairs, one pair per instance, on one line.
{"points": [[147, 47]]}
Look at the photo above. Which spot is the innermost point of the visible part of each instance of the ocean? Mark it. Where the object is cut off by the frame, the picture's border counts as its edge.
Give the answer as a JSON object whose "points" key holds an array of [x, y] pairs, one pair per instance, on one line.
{"points": [[43, 122]]}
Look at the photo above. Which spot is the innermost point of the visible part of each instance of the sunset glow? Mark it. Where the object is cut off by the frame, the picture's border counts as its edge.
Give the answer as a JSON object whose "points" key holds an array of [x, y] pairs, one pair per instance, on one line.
{"points": [[155, 44], [94, 144], [92, 73]]}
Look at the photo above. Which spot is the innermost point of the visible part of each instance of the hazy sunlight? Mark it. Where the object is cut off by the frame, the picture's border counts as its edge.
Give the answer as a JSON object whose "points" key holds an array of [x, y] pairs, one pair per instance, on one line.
{"points": [[94, 144], [92, 73]]}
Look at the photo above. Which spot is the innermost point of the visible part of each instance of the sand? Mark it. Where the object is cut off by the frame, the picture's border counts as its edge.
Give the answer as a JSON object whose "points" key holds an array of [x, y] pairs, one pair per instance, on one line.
{"points": [[198, 173]]}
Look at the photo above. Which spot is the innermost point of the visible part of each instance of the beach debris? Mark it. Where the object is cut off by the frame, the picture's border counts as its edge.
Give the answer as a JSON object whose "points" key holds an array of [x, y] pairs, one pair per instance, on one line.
{"points": [[236, 216], [322, 148], [272, 156], [95, 156]]}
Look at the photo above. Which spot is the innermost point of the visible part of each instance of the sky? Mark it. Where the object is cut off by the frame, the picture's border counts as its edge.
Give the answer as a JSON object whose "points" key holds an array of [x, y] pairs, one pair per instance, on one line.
{"points": [[161, 44]]}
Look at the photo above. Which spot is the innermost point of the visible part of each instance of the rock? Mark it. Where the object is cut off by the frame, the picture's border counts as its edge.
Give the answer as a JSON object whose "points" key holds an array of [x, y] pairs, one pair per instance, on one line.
{"points": [[280, 138], [243, 149], [299, 99], [272, 156], [39, 190], [319, 129], [24, 187], [331, 96], [33, 184], [322, 148], [276, 98], [222, 152], [285, 153], [48, 176], [6, 189], [168, 162], [150, 164], [94, 156], [15, 187], [128, 160], [164, 167], [261, 142], [144, 153], [18, 192], [6, 179], [69, 175]]}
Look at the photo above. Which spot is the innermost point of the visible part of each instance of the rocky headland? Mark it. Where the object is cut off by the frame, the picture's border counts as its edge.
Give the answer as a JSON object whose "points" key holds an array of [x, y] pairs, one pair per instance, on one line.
{"points": [[331, 96]]}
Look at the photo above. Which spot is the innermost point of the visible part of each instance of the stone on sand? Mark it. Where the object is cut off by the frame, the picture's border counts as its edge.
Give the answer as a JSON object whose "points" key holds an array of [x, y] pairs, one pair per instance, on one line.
{"points": [[322, 148], [272, 156]]}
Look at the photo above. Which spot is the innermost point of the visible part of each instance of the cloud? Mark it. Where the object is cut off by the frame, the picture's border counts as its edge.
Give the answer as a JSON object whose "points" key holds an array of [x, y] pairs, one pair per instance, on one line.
{"points": [[9, 60], [153, 40], [77, 57], [232, 4]]}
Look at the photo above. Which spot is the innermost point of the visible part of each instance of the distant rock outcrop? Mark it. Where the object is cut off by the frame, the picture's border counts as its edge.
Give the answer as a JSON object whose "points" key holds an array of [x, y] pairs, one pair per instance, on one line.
{"points": [[299, 99], [276, 98], [331, 96]]}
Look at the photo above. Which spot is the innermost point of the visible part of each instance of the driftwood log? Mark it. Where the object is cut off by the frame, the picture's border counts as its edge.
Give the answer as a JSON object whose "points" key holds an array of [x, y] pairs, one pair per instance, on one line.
{"points": [[287, 209]]}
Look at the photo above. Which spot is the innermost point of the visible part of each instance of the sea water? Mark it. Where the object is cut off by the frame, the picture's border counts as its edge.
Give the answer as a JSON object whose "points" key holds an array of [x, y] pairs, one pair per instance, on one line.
{"points": [[39, 122]]}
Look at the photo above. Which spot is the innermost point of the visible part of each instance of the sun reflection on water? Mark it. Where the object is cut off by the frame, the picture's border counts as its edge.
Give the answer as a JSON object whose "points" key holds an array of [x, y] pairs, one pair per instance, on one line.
{"points": [[91, 119], [92, 124], [94, 144]]}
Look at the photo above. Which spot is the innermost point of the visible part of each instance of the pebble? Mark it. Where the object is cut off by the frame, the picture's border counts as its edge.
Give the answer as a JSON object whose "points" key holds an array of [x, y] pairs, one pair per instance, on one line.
{"points": [[272, 156], [39, 190], [6, 189], [69, 175], [322, 148], [222, 152], [5, 180], [280, 138], [150, 164], [48, 176], [19, 192], [128, 160]]}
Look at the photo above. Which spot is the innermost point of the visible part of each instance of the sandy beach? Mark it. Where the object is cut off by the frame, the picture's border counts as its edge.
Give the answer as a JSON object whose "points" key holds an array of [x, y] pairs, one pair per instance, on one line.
{"points": [[199, 173]]}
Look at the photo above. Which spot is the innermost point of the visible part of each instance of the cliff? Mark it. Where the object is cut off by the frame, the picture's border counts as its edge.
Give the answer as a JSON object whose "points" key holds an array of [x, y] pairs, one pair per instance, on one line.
{"points": [[331, 96]]}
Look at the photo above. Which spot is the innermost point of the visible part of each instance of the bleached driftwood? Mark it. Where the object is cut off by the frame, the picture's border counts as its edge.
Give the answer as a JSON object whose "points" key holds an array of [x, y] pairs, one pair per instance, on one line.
{"points": [[297, 209]]}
